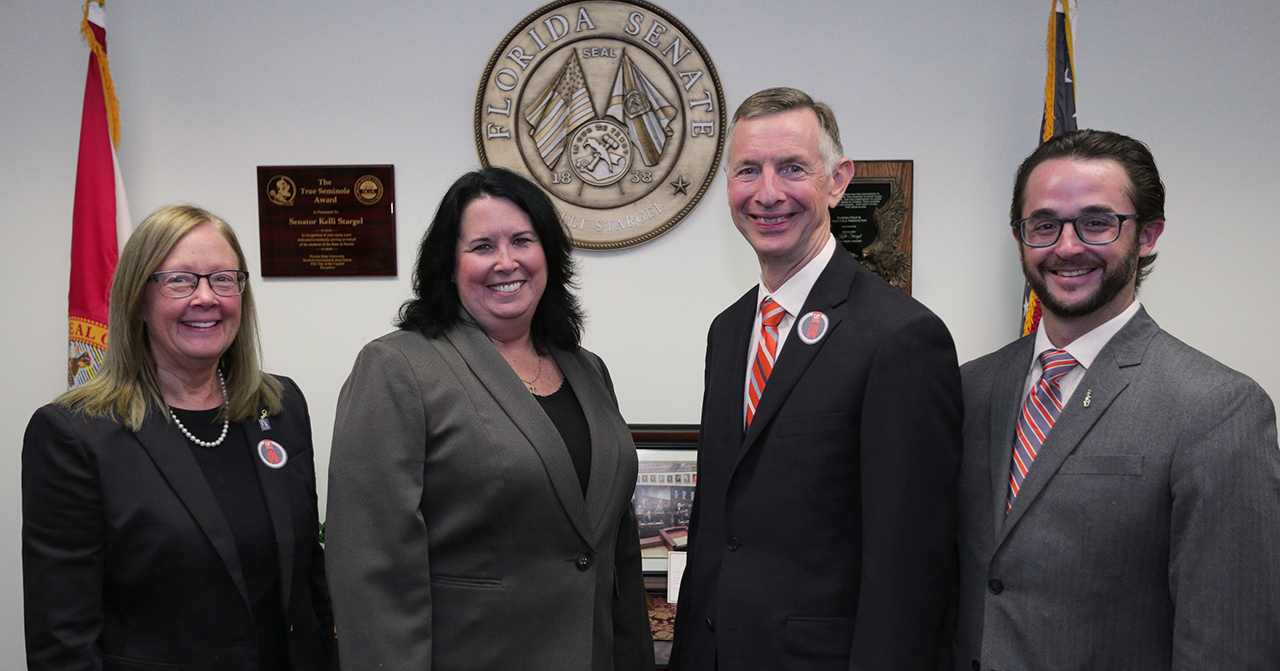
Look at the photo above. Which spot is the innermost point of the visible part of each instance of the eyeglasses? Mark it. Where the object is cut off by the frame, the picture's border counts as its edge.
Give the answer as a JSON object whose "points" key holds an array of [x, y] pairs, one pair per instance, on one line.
{"points": [[1097, 228], [180, 283]]}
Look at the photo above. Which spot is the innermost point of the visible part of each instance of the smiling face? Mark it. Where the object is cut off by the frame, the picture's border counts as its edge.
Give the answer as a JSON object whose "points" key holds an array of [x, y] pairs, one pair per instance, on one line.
{"points": [[1083, 286], [779, 189], [192, 333], [500, 270]]}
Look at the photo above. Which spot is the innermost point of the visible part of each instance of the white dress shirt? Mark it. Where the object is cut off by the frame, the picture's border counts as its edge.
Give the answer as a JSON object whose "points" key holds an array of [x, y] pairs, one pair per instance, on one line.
{"points": [[791, 296], [1083, 349]]}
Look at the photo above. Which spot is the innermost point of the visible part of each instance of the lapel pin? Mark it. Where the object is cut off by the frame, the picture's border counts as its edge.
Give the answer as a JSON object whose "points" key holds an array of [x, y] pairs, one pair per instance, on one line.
{"points": [[1088, 396], [812, 327], [263, 421], [272, 454]]}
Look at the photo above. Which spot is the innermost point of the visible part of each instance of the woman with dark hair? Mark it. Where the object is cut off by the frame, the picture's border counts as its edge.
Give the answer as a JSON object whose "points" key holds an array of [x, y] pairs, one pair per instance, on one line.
{"points": [[169, 504], [481, 476]]}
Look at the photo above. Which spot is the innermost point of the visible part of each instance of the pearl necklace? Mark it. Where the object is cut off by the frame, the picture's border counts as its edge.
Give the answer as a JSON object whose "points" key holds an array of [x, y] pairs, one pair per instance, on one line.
{"points": [[226, 424]]}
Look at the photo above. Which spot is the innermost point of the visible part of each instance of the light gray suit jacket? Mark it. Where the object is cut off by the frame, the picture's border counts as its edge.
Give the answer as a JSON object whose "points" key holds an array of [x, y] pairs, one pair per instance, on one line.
{"points": [[458, 536], [1147, 532]]}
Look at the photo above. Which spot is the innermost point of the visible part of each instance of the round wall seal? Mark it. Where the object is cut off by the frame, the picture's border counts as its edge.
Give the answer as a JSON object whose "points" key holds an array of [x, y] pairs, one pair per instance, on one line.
{"points": [[614, 108], [281, 190], [368, 189]]}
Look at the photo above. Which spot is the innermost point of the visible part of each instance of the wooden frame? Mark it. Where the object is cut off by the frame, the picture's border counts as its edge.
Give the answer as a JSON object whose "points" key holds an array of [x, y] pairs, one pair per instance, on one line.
{"points": [[873, 219], [664, 489]]}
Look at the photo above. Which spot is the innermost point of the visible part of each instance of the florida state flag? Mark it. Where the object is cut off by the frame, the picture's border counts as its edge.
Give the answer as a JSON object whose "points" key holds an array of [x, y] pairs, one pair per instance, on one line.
{"points": [[101, 215], [638, 106], [1059, 117]]}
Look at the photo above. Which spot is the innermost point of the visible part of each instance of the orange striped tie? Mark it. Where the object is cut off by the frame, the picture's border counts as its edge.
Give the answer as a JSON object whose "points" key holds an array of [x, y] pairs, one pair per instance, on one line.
{"points": [[771, 315]]}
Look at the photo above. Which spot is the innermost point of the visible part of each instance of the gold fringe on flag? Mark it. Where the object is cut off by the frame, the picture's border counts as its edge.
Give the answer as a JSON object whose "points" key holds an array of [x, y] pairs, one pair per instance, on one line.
{"points": [[1031, 319], [1031, 314], [108, 89], [1050, 82]]}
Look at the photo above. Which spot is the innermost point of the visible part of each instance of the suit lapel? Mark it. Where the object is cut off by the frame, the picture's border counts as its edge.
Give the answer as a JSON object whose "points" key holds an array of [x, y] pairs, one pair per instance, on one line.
{"points": [[728, 371], [830, 290], [1105, 380], [596, 402], [275, 491], [530, 420], [165, 445], [1007, 398]]}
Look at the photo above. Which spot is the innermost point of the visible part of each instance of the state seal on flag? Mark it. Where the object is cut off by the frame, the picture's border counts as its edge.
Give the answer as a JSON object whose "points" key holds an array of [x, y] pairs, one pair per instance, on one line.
{"points": [[614, 108], [87, 343]]}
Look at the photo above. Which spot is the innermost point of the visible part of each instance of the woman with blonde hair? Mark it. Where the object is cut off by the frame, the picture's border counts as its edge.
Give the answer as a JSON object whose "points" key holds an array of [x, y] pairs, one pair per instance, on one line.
{"points": [[169, 504]]}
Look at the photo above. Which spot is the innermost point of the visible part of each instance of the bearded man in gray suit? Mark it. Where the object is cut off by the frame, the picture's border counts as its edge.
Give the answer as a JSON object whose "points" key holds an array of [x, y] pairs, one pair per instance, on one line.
{"points": [[1120, 491]]}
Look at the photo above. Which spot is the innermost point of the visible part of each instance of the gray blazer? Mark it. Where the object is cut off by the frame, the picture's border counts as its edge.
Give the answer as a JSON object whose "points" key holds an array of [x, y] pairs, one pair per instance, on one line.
{"points": [[1147, 533], [457, 533]]}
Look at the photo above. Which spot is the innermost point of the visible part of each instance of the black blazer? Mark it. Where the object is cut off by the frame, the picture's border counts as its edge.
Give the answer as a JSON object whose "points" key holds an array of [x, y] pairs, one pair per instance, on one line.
{"points": [[128, 561], [825, 538]]}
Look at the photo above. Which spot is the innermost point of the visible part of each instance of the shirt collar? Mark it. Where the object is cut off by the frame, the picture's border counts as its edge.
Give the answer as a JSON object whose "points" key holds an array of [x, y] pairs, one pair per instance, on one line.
{"points": [[1085, 348], [795, 291]]}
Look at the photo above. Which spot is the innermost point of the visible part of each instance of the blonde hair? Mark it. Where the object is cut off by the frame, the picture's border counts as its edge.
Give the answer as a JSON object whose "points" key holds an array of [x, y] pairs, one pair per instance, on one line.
{"points": [[127, 383]]}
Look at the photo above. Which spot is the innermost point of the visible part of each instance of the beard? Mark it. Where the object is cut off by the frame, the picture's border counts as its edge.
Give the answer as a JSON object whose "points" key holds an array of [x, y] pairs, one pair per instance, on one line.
{"points": [[1113, 282]]}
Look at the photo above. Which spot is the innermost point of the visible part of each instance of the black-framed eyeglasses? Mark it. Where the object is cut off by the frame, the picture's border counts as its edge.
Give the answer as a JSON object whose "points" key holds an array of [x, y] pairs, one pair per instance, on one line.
{"points": [[180, 283], [1095, 228]]}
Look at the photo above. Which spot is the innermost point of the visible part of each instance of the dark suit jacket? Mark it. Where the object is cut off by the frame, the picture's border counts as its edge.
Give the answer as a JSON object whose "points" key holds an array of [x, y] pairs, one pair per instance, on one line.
{"points": [[128, 562], [825, 539], [458, 534], [1147, 533]]}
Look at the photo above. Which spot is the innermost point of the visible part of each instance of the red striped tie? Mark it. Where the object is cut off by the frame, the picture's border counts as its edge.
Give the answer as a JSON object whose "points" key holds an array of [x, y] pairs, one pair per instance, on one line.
{"points": [[1039, 412], [771, 315]]}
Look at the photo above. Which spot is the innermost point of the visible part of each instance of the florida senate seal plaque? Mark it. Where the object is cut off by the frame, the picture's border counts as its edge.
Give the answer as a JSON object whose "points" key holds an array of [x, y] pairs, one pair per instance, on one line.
{"points": [[614, 108]]}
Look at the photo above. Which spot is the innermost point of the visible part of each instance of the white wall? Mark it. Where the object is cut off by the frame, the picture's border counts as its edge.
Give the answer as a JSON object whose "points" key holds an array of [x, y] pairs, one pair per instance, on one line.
{"points": [[211, 90]]}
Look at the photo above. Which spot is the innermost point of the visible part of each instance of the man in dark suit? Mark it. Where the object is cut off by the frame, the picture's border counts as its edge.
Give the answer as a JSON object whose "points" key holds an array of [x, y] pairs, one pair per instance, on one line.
{"points": [[1120, 502], [822, 532]]}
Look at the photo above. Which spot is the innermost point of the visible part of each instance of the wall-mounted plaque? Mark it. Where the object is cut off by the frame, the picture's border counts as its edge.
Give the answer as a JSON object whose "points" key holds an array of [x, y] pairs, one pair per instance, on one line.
{"points": [[327, 220], [614, 108], [873, 219]]}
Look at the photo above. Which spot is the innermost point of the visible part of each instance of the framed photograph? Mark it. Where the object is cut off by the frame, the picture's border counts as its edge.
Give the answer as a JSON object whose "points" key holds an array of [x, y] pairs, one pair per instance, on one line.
{"points": [[665, 484]]}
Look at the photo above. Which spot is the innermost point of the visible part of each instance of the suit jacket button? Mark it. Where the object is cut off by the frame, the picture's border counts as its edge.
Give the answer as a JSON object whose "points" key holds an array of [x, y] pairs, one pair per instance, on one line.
{"points": [[583, 561], [976, 666], [733, 544], [710, 625], [995, 586]]}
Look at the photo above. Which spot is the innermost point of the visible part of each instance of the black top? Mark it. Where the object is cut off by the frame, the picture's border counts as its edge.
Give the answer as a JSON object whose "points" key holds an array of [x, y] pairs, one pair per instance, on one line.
{"points": [[231, 474], [565, 411]]}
